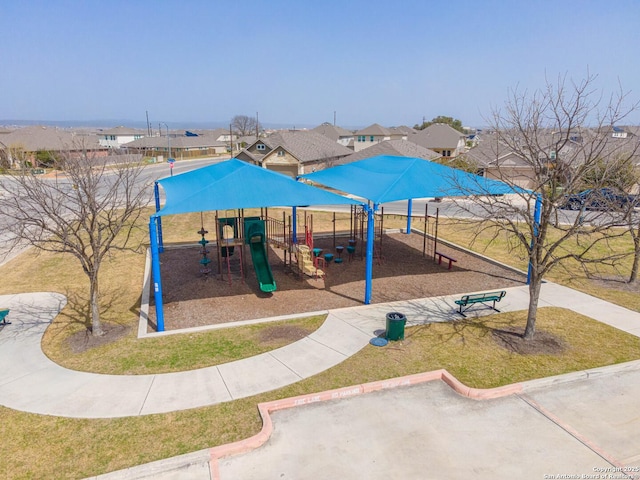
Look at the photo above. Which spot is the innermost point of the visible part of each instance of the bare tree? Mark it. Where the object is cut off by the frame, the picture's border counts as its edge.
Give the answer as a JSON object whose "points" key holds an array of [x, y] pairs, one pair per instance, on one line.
{"points": [[633, 227], [244, 125], [89, 210], [560, 136]]}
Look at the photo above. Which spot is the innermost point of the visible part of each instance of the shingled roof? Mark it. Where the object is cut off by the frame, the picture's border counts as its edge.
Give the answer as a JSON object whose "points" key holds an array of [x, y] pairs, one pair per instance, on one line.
{"points": [[35, 138], [438, 135], [306, 146], [374, 129], [176, 142], [394, 148], [125, 131], [332, 131]]}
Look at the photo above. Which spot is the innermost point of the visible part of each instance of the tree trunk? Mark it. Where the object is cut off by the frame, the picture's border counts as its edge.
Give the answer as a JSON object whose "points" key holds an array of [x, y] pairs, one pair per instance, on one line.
{"points": [[534, 296], [636, 257], [96, 325]]}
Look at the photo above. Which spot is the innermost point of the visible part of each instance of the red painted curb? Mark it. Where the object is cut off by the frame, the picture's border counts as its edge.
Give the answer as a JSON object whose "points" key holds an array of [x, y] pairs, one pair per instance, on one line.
{"points": [[265, 409]]}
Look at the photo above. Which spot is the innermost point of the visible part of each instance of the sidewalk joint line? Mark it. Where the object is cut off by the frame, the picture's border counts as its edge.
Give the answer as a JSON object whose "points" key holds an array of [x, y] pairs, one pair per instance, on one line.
{"points": [[570, 430], [286, 366], [224, 382], [146, 397]]}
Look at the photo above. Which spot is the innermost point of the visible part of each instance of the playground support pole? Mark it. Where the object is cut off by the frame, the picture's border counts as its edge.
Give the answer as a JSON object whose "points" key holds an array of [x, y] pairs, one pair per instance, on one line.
{"points": [[155, 267], [536, 224], [294, 221], [409, 207], [369, 258], [156, 192]]}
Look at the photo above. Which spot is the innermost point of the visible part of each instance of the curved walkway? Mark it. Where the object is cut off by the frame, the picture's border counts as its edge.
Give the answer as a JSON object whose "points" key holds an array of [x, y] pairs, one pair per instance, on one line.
{"points": [[33, 383]]}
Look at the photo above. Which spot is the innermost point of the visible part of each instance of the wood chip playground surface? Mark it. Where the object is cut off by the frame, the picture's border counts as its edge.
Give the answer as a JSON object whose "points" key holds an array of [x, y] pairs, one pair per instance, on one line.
{"points": [[402, 273]]}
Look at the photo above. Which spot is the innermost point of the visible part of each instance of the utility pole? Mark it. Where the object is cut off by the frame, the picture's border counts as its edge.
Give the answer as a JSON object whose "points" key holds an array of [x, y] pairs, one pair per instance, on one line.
{"points": [[257, 126], [148, 124]]}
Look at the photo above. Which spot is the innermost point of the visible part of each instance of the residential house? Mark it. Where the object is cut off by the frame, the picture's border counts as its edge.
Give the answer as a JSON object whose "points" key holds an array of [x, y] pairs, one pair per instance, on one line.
{"points": [[118, 136], [494, 160], [22, 145], [220, 134], [177, 146], [441, 138], [395, 148], [369, 136], [337, 134], [294, 152]]}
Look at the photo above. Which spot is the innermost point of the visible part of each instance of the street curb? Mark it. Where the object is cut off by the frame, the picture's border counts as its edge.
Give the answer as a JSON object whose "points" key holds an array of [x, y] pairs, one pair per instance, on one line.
{"points": [[266, 408], [596, 372], [480, 394]]}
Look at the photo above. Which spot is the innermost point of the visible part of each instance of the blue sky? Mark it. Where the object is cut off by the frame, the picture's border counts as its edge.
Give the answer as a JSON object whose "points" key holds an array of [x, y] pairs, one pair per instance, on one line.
{"points": [[297, 61]]}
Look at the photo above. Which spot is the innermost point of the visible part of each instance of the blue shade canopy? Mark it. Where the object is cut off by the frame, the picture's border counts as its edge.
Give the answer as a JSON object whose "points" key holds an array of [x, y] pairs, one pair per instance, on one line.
{"points": [[387, 178], [237, 184]]}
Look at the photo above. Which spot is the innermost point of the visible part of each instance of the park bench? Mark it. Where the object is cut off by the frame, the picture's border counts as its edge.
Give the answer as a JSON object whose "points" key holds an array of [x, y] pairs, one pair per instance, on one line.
{"points": [[468, 301], [442, 255], [3, 316]]}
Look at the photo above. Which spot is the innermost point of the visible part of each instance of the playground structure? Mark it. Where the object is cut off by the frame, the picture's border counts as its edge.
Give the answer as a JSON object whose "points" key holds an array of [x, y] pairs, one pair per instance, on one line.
{"points": [[256, 239], [228, 237], [204, 252], [430, 232], [234, 231]]}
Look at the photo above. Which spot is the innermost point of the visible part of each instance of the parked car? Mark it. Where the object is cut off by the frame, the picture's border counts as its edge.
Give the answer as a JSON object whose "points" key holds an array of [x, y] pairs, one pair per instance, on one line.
{"points": [[599, 199]]}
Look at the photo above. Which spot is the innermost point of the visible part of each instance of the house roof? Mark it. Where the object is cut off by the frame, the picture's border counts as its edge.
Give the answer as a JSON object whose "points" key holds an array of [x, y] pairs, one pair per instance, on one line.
{"points": [[405, 129], [332, 131], [438, 135], [236, 184], [176, 142], [122, 131], [35, 138], [306, 146], [387, 178], [489, 152], [374, 129], [399, 148]]}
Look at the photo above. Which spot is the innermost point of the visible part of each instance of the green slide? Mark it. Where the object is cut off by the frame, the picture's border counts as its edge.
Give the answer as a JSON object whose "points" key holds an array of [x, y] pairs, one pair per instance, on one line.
{"points": [[261, 265]]}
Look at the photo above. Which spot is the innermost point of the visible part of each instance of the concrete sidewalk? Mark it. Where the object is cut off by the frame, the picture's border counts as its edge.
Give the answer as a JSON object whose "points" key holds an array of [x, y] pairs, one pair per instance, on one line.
{"points": [[36, 384]]}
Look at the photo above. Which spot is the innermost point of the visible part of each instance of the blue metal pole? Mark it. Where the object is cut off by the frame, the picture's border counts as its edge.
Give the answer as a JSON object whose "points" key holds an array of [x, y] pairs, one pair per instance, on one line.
{"points": [[294, 224], [156, 192], [157, 279], [409, 206], [537, 212], [369, 259]]}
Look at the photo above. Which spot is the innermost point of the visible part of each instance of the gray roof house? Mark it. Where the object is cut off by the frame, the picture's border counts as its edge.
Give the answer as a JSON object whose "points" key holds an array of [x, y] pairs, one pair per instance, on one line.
{"points": [[182, 147], [118, 136], [494, 160], [335, 133], [294, 152], [441, 138], [22, 144], [376, 133], [395, 148]]}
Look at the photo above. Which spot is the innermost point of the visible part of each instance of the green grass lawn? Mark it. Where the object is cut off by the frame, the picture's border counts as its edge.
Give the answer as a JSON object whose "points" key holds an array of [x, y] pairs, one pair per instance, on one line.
{"points": [[38, 446]]}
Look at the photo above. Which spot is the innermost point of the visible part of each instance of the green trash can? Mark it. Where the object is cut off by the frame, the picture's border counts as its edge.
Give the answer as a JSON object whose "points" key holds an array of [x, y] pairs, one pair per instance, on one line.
{"points": [[395, 326]]}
